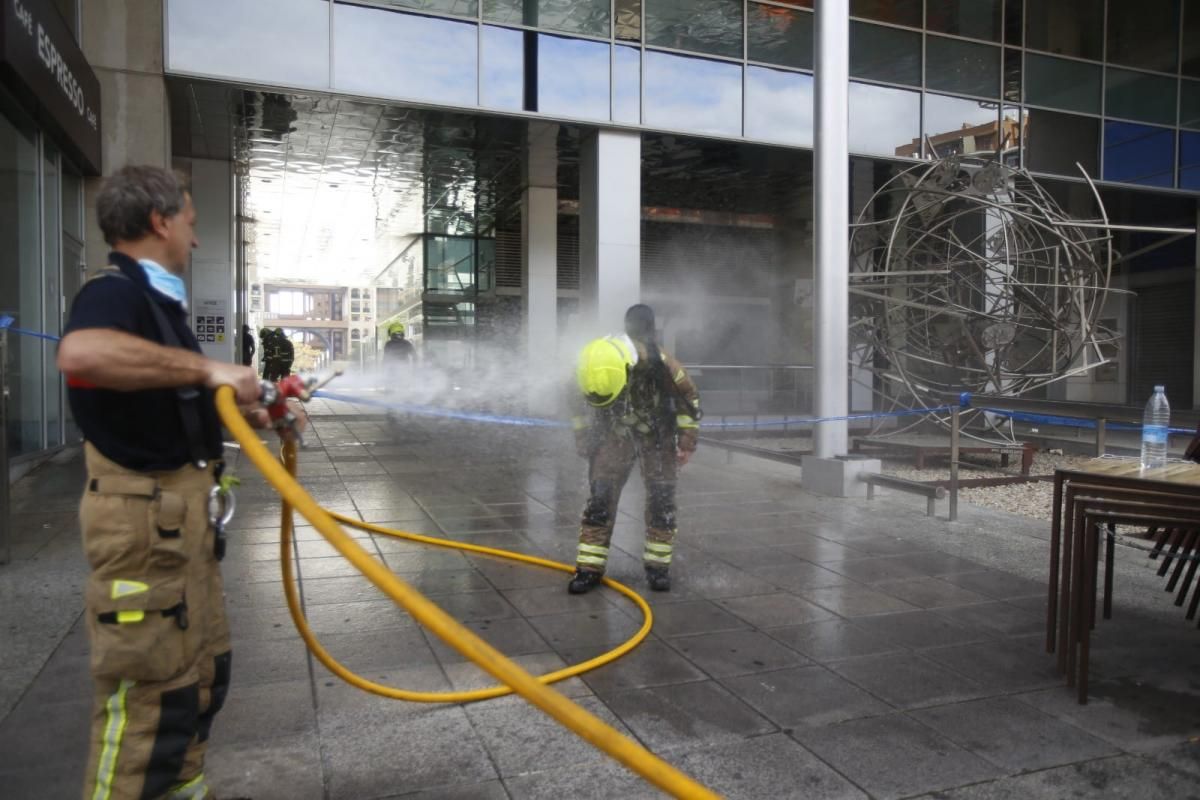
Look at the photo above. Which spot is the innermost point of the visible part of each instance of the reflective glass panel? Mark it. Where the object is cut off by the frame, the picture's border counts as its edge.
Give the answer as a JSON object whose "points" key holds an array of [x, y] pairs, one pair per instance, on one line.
{"points": [[1190, 57], [976, 19], [1011, 87], [573, 77], [885, 54], [1012, 138], [51, 288], [1055, 141], [1189, 160], [629, 20], [953, 65], [589, 17], [885, 122], [956, 126], [1014, 22], [779, 106], [695, 94], [705, 26], [1189, 104], [1062, 83], [1144, 34], [1066, 27], [1136, 95], [898, 12], [390, 54], [502, 77], [460, 8], [1139, 154], [283, 42], [21, 281], [779, 36], [627, 81]]}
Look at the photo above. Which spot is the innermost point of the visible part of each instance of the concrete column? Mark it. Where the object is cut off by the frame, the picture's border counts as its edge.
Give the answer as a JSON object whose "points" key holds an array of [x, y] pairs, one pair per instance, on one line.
{"points": [[211, 276], [610, 232], [539, 254], [832, 158], [123, 41]]}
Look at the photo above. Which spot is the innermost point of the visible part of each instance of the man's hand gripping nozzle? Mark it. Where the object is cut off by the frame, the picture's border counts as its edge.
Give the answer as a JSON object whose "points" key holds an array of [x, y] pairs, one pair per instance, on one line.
{"points": [[274, 397]]}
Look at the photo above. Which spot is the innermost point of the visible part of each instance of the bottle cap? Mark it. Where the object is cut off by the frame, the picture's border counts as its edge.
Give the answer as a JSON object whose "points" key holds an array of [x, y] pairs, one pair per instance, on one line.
{"points": [[1160, 388]]}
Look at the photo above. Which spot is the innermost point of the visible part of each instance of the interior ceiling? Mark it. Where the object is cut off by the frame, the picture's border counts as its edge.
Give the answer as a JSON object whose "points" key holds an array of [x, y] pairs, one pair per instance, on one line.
{"points": [[333, 189]]}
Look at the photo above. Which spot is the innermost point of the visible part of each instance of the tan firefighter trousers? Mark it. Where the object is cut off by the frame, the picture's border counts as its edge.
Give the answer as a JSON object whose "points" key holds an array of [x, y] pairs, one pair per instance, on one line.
{"points": [[160, 653]]}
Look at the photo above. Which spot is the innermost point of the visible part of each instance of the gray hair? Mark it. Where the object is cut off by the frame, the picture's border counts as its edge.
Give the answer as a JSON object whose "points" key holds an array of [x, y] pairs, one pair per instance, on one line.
{"points": [[124, 205]]}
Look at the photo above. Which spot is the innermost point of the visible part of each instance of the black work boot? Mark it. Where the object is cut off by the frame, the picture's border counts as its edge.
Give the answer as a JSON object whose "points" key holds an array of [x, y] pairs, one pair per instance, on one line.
{"points": [[584, 581], [658, 579]]}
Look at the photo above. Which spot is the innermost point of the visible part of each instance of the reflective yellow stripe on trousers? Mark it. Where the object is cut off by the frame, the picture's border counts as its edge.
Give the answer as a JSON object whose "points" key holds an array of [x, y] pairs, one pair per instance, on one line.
{"points": [[657, 551], [195, 789], [591, 554], [114, 730]]}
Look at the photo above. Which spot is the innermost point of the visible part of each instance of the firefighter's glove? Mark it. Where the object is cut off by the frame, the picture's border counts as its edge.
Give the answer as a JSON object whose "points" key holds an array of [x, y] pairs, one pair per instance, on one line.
{"points": [[686, 444]]}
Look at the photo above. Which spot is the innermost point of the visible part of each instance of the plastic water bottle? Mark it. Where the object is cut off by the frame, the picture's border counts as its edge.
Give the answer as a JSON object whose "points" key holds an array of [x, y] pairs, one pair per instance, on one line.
{"points": [[1155, 422]]}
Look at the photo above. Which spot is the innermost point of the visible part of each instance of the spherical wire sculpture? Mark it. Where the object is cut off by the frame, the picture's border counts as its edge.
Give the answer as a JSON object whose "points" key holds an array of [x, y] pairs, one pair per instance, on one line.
{"points": [[967, 276]]}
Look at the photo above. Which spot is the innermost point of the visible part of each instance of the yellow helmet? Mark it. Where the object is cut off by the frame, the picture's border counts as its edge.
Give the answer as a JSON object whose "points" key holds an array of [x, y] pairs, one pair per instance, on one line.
{"points": [[603, 369], [396, 327]]}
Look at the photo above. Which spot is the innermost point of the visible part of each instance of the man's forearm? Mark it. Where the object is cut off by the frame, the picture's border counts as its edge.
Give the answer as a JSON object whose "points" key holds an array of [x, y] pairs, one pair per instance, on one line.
{"points": [[117, 360]]}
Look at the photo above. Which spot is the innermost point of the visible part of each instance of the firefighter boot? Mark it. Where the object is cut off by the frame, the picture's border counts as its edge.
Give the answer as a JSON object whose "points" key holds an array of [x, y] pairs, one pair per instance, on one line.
{"points": [[658, 579], [584, 581]]}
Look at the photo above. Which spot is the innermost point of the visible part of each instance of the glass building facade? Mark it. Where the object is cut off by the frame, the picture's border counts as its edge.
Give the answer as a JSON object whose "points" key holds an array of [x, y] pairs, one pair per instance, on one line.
{"points": [[1112, 86]]}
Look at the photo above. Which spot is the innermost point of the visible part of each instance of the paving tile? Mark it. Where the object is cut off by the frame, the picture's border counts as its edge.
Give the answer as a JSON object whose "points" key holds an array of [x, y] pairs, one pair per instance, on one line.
{"points": [[742, 652], [543, 600], [804, 696], [997, 584], [1010, 665], [489, 790], [855, 600], [37, 736], [521, 739], [395, 649], [930, 593], [651, 663], [687, 715], [921, 629], [801, 576], [877, 545], [1002, 618], [1013, 735], [438, 582], [907, 680], [281, 767], [269, 661], [750, 557], [466, 676], [697, 616], [265, 711], [833, 639], [871, 570], [818, 550], [939, 563], [374, 615], [583, 628], [601, 781], [774, 610], [475, 606], [771, 766], [513, 637], [914, 759]]}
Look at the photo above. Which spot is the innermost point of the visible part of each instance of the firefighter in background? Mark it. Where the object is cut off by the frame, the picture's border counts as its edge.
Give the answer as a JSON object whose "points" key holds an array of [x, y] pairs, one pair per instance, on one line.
{"points": [[398, 350], [286, 354], [269, 353], [635, 402]]}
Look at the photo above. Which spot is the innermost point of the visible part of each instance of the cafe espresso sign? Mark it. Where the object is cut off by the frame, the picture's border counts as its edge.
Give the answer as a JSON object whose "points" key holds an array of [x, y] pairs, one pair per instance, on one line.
{"points": [[44, 67]]}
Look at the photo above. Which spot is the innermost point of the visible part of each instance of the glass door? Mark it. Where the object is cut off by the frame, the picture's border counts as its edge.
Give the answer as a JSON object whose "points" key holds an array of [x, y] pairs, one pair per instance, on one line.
{"points": [[74, 268], [52, 290]]}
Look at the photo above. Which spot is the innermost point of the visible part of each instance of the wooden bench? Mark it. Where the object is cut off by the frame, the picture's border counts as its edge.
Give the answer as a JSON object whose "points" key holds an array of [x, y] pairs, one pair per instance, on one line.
{"points": [[930, 492]]}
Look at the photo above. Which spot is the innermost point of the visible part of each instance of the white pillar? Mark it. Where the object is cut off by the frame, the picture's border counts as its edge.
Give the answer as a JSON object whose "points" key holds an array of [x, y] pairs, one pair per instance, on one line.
{"points": [[610, 233], [211, 275], [539, 251], [831, 214]]}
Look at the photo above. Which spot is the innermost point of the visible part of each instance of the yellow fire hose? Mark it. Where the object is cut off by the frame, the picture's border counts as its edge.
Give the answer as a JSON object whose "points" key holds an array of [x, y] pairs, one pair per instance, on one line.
{"points": [[569, 714]]}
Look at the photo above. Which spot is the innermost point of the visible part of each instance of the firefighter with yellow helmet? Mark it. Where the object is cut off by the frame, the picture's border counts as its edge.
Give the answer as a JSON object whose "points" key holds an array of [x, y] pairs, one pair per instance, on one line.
{"points": [[398, 350], [635, 402]]}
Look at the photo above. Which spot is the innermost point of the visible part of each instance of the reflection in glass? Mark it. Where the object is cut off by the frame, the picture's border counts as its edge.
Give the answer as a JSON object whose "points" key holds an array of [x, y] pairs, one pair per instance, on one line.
{"points": [[502, 77], [1136, 95], [899, 12], [967, 67], [1066, 27], [1189, 104], [20, 282], [1189, 160], [1062, 83], [589, 17], [684, 93], [1190, 57], [629, 20], [51, 288], [1011, 88], [1144, 34], [779, 106], [627, 81], [956, 126], [976, 19], [1014, 22], [1012, 129], [573, 77], [779, 36], [458, 8], [1139, 154], [390, 54], [883, 121], [885, 54], [283, 42], [1055, 141], [705, 26]]}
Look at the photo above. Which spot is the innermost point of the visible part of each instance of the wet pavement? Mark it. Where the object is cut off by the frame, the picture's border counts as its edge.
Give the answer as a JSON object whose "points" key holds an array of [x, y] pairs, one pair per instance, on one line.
{"points": [[812, 647]]}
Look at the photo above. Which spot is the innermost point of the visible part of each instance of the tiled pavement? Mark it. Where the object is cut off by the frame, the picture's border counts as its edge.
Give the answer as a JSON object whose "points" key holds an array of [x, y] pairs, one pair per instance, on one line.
{"points": [[812, 648]]}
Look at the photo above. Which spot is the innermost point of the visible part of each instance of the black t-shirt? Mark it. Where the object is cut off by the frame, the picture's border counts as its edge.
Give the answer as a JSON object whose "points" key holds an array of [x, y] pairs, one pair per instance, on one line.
{"points": [[140, 430], [398, 349]]}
